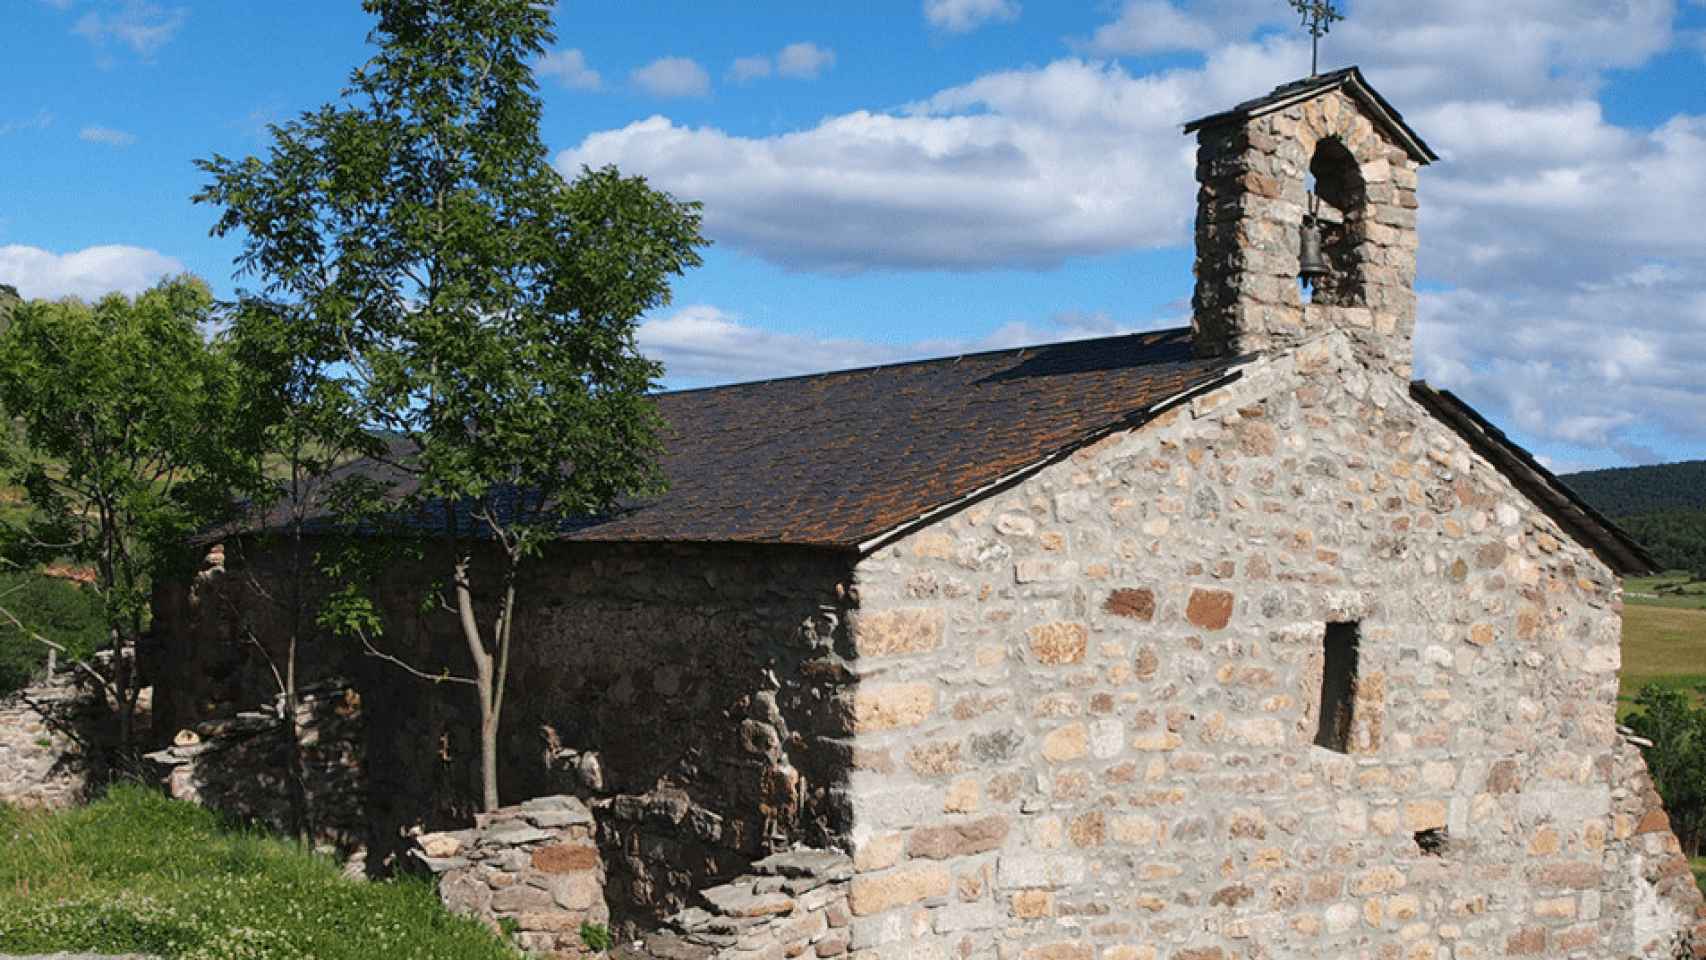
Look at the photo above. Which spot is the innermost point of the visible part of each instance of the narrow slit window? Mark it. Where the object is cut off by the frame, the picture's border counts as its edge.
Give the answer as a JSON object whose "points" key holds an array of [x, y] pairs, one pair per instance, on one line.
{"points": [[1338, 687]]}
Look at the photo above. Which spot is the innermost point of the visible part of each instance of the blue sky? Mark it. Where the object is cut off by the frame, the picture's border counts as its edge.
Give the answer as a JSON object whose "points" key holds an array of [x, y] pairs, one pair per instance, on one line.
{"points": [[888, 180]]}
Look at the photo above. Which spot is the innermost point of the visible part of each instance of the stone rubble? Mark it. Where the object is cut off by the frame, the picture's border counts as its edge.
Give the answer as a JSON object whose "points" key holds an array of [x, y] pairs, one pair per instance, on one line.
{"points": [[237, 764], [533, 867], [792, 904]]}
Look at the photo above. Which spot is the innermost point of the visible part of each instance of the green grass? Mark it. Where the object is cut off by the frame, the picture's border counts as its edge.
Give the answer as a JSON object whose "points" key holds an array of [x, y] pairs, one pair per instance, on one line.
{"points": [[139, 872], [1699, 865], [1662, 645]]}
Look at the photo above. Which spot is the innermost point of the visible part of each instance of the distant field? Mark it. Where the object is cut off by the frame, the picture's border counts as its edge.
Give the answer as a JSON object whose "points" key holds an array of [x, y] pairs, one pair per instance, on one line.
{"points": [[1678, 590], [1661, 644]]}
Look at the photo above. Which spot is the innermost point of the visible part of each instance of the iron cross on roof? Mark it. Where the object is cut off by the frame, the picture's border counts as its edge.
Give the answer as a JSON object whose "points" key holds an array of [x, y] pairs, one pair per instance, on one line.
{"points": [[1318, 17]]}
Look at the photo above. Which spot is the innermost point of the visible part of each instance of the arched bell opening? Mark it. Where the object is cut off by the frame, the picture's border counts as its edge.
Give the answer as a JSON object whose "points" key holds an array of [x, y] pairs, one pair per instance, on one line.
{"points": [[1330, 265]]}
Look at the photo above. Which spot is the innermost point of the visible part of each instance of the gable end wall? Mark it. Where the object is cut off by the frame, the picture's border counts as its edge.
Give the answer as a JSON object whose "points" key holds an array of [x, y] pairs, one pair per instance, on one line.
{"points": [[1087, 705]]}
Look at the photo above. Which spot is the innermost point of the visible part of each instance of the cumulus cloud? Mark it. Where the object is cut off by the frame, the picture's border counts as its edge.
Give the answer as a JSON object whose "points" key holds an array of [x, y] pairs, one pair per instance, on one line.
{"points": [[804, 60], [801, 61], [1591, 364], [88, 273], [1443, 49], [748, 69], [960, 16], [106, 135], [1154, 26], [142, 26], [673, 77], [570, 68], [1029, 167], [703, 344]]}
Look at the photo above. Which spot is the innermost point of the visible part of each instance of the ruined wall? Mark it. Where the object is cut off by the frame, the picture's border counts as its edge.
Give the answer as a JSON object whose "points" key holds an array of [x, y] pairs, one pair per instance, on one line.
{"points": [[1088, 704], [532, 867], [240, 764], [687, 694], [42, 762]]}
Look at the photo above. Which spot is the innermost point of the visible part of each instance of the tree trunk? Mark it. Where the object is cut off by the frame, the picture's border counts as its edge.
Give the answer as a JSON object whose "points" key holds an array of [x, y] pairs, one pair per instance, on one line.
{"points": [[488, 756], [302, 823], [300, 813], [485, 683]]}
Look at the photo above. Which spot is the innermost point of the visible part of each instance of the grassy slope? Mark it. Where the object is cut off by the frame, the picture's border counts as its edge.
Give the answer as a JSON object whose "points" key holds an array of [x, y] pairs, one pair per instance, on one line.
{"points": [[138, 872]]}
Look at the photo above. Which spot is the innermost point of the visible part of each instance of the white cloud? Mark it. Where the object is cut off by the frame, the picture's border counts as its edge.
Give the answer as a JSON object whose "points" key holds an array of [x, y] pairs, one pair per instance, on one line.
{"points": [[1442, 49], [748, 69], [570, 68], [804, 60], [960, 16], [106, 135], [703, 344], [142, 26], [1028, 167], [41, 121], [673, 77], [1151, 26], [1594, 365], [88, 273]]}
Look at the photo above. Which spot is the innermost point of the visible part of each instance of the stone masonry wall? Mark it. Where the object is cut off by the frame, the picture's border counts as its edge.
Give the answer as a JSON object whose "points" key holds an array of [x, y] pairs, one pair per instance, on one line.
{"points": [[1251, 204], [240, 765], [1648, 874], [533, 867], [688, 695], [793, 904], [41, 764], [1087, 704]]}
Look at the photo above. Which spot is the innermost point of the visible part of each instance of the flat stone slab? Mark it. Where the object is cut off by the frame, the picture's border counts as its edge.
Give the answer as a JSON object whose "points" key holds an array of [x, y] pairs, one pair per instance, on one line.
{"points": [[737, 900], [514, 836], [826, 864]]}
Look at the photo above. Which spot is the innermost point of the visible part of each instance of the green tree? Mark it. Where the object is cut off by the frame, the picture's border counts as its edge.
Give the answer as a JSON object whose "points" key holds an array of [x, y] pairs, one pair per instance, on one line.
{"points": [[295, 424], [1676, 724], [482, 306], [119, 408]]}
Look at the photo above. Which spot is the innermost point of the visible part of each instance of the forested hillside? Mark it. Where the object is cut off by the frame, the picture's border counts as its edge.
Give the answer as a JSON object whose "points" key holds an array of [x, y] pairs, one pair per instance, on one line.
{"points": [[1662, 506]]}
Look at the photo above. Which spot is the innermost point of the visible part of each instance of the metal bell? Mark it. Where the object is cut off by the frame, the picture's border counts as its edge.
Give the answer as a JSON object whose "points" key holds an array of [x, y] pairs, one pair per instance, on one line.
{"points": [[1312, 264]]}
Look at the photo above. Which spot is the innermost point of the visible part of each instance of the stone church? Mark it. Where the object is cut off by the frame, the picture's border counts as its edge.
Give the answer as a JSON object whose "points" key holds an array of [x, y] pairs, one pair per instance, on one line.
{"points": [[1210, 643]]}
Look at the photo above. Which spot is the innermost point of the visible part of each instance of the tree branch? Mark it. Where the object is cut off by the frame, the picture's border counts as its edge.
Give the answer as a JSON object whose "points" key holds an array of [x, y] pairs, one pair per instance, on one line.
{"points": [[375, 652]]}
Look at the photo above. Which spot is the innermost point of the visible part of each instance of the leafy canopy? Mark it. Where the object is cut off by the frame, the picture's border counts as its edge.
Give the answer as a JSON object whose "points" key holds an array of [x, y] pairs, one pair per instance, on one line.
{"points": [[1676, 724], [120, 408], [482, 306]]}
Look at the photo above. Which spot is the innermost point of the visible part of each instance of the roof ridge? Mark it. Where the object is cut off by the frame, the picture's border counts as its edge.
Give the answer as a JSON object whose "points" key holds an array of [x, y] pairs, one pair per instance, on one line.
{"points": [[947, 358]]}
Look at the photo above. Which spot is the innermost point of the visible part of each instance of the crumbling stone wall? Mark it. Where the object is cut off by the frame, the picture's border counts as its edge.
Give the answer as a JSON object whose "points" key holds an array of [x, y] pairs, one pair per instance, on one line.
{"points": [[1648, 875], [793, 904], [240, 764], [42, 762], [1087, 705], [533, 868], [689, 695]]}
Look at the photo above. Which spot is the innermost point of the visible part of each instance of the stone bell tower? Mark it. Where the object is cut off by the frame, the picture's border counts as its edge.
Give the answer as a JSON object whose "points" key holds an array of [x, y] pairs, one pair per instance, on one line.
{"points": [[1329, 155]]}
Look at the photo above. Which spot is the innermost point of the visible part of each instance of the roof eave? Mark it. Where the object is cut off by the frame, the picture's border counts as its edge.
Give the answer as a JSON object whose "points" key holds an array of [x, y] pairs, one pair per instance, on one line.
{"points": [[1586, 525], [1349, 79]]}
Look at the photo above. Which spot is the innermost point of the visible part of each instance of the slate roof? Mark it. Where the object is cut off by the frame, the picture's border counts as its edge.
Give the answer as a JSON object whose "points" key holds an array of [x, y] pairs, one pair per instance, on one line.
{"points": [[836, 459], [1351, 81], [839, 459]]}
